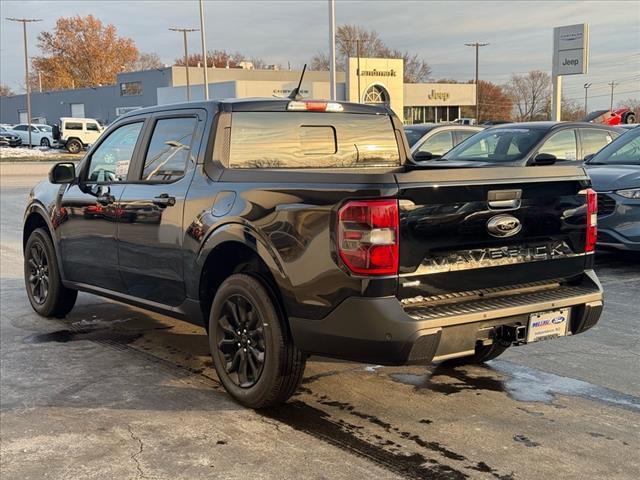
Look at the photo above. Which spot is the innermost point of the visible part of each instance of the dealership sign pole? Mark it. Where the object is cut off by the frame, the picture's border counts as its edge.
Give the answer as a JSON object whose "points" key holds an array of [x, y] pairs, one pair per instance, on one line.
{"points": [[332, 49], [570, 57]]}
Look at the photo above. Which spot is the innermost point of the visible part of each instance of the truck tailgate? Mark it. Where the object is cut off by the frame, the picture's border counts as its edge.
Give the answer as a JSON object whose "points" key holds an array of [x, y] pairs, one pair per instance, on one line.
{"points": [[480, 228]]}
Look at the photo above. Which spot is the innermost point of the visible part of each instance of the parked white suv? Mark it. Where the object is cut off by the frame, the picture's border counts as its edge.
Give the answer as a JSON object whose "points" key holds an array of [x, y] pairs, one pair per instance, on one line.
{"points": [[40, 134], [77, 133]]}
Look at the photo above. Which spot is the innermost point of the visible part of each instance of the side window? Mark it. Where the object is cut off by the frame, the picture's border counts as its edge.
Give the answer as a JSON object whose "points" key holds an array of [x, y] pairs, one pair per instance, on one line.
{"points": [[21, 128], [72, 126], [92, 127], [462, 135], [110, 161], [169, 149], [438, 144], [593, 140], [562, 145]]}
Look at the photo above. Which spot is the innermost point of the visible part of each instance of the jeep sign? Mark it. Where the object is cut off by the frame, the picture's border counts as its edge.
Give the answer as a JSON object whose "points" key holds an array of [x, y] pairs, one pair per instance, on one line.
{"points": [[571, 49]]}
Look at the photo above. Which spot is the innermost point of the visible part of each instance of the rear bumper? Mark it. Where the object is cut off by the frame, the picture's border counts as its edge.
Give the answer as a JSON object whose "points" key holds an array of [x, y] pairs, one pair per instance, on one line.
{"points": [[381, 331]]}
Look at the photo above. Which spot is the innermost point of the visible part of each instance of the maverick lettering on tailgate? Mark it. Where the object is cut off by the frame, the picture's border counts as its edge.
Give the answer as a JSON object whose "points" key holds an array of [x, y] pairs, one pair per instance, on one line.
{"points": [[493, 257]]}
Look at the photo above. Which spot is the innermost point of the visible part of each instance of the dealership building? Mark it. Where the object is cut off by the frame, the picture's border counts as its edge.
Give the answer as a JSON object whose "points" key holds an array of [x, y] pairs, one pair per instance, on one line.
{"points": [[367, 80]]}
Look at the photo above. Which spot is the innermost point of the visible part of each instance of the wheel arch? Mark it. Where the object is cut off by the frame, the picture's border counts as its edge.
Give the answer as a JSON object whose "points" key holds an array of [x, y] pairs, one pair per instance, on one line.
{"points": [[35, 217], [235, 248]]}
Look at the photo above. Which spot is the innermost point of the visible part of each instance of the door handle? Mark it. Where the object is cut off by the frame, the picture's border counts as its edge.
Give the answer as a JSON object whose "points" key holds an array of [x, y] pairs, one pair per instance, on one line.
{"points": [[164, 200]]}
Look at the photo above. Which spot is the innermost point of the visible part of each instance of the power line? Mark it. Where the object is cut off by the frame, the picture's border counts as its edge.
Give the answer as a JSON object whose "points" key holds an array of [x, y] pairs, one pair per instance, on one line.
{"points": [[477, 46], [24, 22], [184, 32]]}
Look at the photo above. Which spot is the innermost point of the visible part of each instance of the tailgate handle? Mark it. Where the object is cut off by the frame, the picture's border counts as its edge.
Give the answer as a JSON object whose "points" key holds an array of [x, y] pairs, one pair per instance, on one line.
{"points": [[504, 199]]}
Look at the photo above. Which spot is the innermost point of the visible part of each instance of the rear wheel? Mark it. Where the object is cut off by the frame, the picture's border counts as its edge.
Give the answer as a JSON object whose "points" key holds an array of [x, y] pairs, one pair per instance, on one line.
{"points": [[629, 117], [252, 350], [484, 353], [45, 142], [47, 295], [74, 146]]}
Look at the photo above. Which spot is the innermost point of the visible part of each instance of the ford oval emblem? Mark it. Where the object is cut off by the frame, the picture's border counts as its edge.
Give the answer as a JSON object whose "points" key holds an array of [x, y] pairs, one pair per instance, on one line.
{"points": [[503, 226]]}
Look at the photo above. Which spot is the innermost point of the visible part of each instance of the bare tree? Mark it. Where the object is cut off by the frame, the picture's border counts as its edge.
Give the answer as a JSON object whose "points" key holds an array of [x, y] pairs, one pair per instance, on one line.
{"points": [[145, 61], [530, 94], [220, 59], [632, 104], [5, 91], [352, 40]]}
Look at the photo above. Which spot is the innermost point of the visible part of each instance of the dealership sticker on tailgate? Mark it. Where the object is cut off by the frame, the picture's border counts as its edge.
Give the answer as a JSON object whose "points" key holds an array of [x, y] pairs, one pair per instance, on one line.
{"points": [[548, 325]]}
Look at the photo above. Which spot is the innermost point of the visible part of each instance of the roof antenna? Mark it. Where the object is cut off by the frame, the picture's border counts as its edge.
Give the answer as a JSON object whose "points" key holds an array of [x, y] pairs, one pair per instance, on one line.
{"points": [[295, 93]]}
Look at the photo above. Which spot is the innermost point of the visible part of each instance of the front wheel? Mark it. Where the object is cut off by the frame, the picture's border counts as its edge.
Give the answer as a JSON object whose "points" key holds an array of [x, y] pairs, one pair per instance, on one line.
{"points": [[252, 350], [45, 143], [47, 295]]}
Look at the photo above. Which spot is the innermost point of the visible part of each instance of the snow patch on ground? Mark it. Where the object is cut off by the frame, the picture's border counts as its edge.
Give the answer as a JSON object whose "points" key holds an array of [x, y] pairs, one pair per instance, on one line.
{"points": [[22, 152]]}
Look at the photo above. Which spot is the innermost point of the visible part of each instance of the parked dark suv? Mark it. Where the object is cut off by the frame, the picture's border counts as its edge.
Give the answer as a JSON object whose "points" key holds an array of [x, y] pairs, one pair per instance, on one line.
{"points": [[289, 228]]}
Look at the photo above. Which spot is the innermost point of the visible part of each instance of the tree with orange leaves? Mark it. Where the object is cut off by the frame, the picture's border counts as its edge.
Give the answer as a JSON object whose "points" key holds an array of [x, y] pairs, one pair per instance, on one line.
{"points": [[82, 52]]}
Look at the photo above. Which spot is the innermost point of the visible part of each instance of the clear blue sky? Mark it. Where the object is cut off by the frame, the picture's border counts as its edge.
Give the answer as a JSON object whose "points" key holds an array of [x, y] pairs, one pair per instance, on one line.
{"points": [[520, 33]]}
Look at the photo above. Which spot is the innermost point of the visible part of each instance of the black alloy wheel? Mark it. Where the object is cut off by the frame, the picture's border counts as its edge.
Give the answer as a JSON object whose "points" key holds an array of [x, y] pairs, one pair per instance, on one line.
{"points": [[38, 265], [252, 350], [47, 294], [45, 143], [241, 344]]}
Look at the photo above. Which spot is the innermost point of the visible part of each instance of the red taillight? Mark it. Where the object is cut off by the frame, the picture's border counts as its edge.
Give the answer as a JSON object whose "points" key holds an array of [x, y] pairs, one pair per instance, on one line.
{"points": [[592, 219], [367, 236]]}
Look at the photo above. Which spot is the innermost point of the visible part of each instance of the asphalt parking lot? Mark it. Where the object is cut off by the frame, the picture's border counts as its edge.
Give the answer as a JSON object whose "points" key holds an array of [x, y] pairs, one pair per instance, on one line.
{"points": [[113, 391]]}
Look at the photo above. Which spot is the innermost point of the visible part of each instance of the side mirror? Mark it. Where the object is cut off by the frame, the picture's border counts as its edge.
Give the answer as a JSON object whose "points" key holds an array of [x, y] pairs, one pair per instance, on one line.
{"points": [[64, 172], [424, 156], [589, 157], [544, 159]]}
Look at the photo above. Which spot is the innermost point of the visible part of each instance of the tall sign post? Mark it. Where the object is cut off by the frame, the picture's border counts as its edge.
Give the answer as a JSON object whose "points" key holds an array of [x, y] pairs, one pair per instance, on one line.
{"points": [[570, 57]]}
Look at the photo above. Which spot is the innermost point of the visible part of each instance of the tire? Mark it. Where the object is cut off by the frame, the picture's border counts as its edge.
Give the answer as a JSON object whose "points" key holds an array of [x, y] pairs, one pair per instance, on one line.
{"points": [[484, 353], [74, 146], [629, 117], [52, 298], [244, 301], [45, 143]]}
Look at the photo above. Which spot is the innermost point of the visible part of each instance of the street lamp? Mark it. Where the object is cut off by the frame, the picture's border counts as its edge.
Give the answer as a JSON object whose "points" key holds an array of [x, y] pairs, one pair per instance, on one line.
{"points": [[477, 46], [613, 85], [186, 55], [24, 22], [204, 52], [586, 89]]}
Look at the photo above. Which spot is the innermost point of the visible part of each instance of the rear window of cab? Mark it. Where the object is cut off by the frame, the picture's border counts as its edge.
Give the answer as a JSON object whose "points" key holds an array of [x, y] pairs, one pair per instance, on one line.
{"points": [[312, 140]]}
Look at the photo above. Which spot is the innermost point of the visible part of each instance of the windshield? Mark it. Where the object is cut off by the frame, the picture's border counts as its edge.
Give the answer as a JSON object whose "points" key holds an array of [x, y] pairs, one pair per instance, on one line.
{"points": [[497, 145], [414, 134], [625, 150]]}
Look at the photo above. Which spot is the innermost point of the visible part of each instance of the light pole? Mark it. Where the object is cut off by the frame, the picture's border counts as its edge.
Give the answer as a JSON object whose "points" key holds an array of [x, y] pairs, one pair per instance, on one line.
{"points": [[332, 49], [613, 85], [204, 52], [477, 46], [586, 89], [24, 22], [186, 54]]}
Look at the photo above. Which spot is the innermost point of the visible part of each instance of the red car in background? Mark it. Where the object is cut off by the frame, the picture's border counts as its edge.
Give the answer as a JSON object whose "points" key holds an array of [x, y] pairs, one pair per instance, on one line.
{"points": [[612, 117]]}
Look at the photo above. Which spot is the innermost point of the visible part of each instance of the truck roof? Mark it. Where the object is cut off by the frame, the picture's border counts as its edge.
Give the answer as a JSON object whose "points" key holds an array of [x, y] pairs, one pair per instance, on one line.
{"points": [[257, 105]]}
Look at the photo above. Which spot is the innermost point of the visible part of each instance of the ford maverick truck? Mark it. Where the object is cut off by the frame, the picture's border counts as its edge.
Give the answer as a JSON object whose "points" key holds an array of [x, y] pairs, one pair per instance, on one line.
{"points": [[295, 227]]}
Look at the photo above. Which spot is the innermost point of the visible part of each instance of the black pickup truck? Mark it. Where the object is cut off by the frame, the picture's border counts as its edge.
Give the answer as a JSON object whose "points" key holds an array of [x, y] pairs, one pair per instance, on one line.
{"points": [[290, 228]]}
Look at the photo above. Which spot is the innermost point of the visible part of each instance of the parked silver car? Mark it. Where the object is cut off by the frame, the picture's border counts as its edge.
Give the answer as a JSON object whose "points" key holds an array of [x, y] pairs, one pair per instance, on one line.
{"points": [[432, 140]]}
